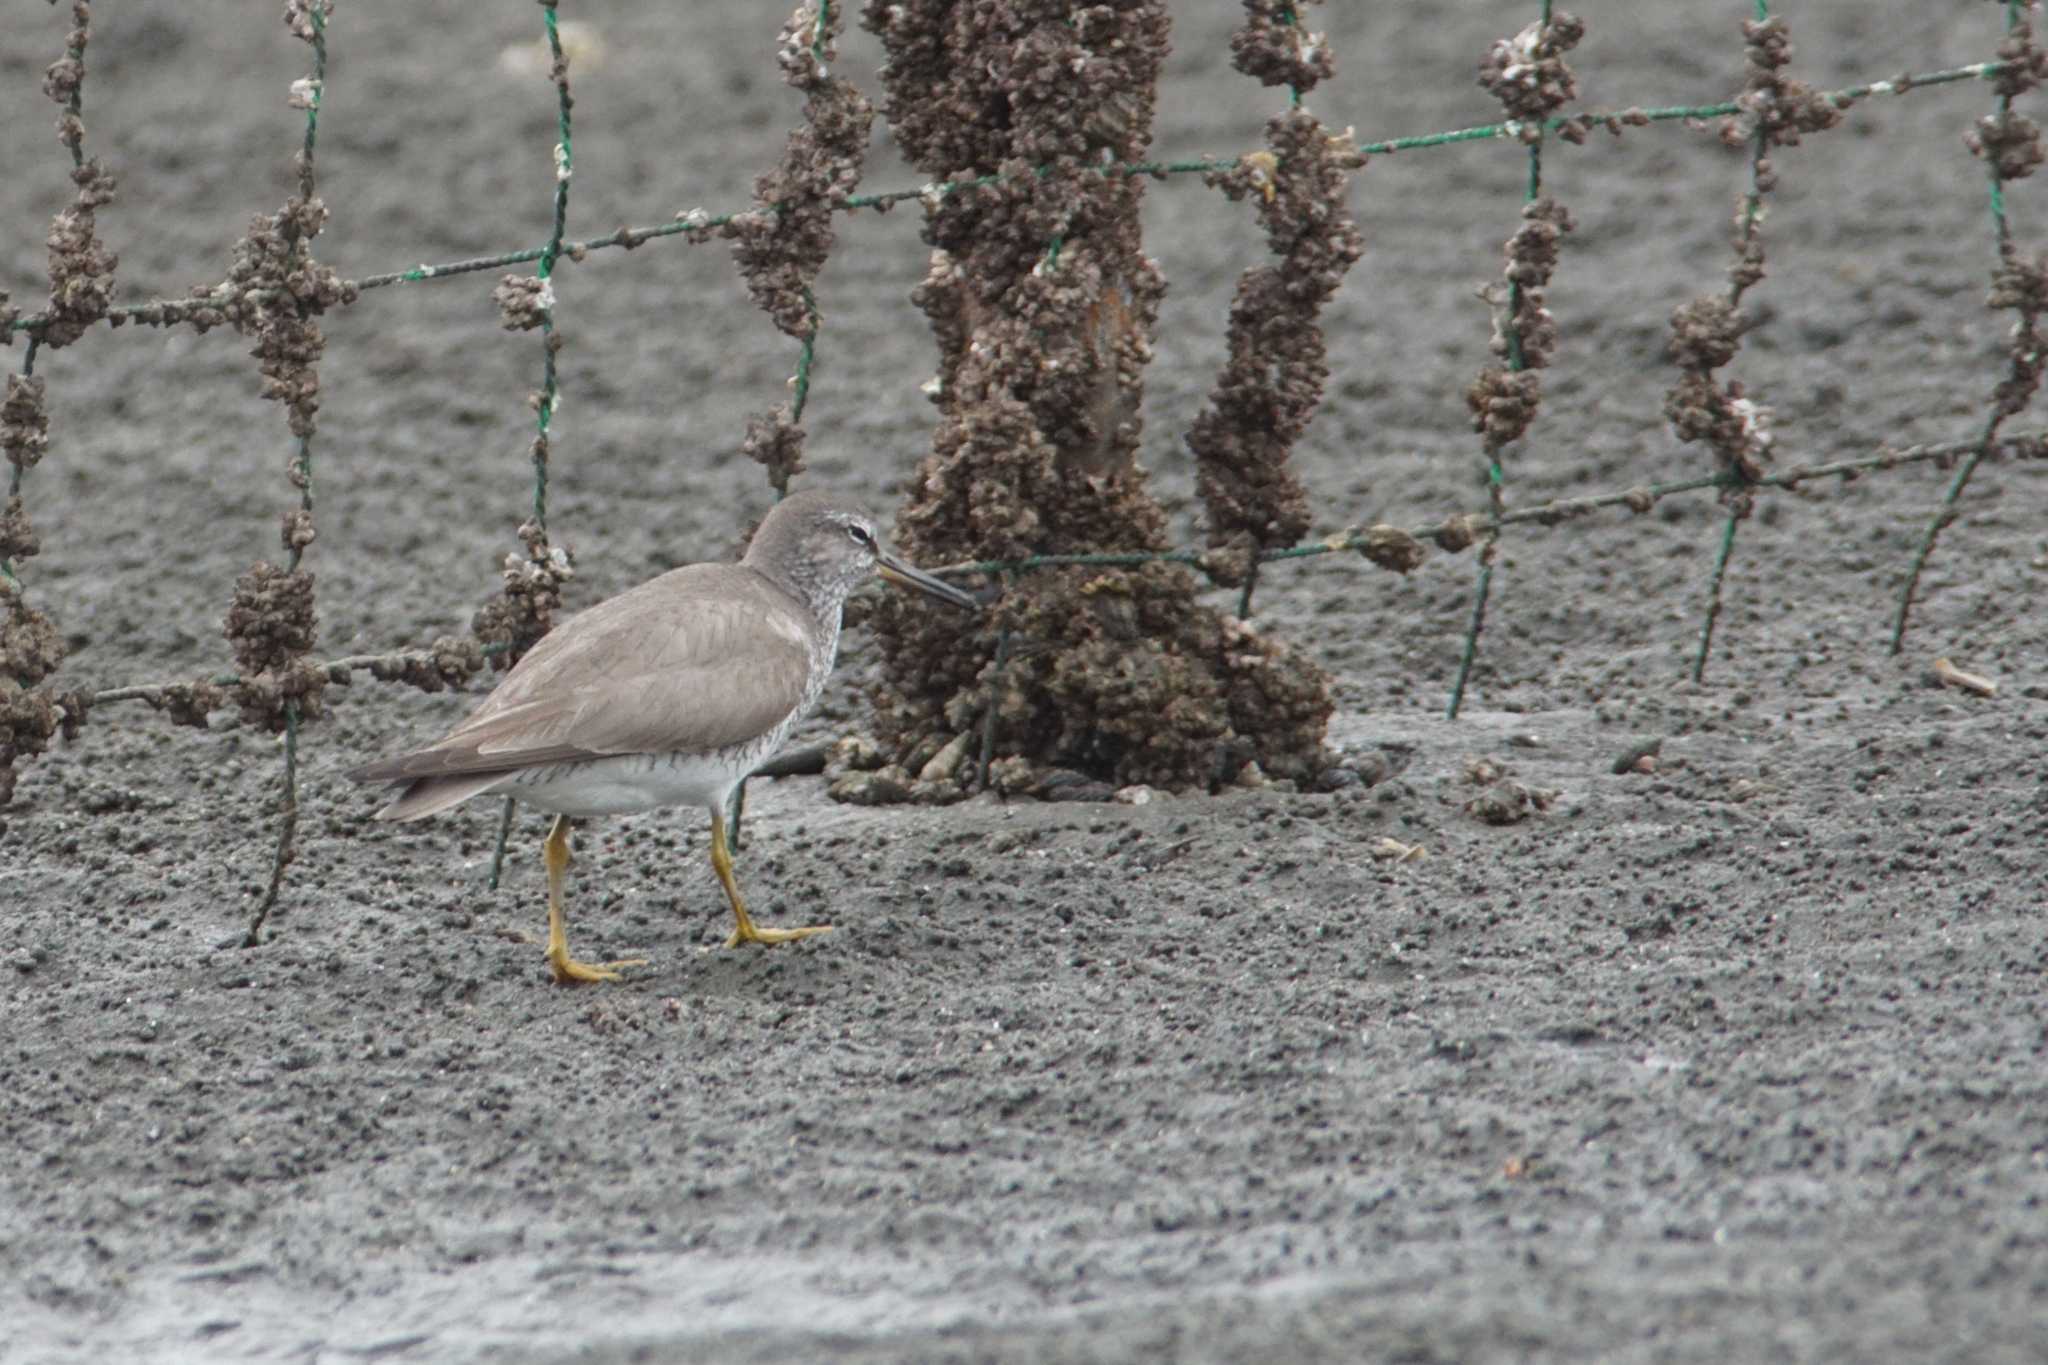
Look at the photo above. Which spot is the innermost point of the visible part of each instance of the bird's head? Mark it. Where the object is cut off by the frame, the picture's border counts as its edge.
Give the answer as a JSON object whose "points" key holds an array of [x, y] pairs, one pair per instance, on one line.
{"points": [[823, 546]]}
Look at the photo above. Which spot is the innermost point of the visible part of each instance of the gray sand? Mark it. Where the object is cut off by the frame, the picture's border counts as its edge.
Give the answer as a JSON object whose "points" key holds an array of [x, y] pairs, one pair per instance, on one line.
{"points": [[1736, 1059]]}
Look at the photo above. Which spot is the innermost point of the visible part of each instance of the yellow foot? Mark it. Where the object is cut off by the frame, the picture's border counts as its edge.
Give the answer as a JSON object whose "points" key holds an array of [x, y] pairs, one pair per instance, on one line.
{"points": [[750, 932], [569, 972]]}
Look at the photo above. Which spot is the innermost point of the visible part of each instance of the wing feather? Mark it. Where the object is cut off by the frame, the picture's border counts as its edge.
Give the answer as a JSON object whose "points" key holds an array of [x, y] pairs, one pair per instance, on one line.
{"points": [[702, 657]]}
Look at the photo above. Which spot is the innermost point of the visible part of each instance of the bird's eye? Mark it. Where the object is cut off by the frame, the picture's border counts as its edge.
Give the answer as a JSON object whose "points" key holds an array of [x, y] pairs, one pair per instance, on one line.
{"points": [[860, 536]]}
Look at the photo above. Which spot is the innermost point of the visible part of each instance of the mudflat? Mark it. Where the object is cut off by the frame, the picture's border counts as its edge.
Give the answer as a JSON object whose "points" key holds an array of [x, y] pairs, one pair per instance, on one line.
{"points": [[1733, 1054]]}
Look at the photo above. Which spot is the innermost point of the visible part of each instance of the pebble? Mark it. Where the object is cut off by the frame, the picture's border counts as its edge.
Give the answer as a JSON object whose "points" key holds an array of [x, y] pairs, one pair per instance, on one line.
{"points": [[883, 787]]}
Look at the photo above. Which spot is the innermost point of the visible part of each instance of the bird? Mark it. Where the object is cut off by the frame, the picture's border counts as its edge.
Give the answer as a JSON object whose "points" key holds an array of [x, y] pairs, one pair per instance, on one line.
{"points": [[668, 694]]}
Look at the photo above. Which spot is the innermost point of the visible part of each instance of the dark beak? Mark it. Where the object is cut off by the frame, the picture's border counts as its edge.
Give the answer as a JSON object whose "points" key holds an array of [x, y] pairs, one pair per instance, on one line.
{"points": [[910, 576]]}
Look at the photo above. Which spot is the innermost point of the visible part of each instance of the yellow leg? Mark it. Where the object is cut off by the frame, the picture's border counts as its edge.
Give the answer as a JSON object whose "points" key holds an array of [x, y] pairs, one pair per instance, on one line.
{"points": [[567, 969], [746, 931]]}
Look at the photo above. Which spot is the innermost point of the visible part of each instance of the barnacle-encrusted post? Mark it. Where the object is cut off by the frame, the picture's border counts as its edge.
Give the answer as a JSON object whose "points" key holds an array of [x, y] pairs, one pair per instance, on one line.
{"points": [[81, 282], [277, 290], [1528, 74], [1273, 381], [1042, 303], [2009, 144], [81, 267], [1706, 332], [30, 647], [784, 241], [511, 623]]}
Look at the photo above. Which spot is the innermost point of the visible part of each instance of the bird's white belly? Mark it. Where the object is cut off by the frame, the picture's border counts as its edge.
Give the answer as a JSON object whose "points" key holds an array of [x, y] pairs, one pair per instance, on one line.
{"points": [[632, 782]]}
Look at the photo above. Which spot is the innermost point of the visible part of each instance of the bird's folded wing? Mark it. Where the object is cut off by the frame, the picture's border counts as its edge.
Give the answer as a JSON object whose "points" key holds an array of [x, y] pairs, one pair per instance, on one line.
{"points": [[622, 678]]}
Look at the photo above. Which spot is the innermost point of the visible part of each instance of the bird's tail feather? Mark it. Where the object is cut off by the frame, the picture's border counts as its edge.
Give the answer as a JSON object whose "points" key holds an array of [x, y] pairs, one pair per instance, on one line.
{"points": [[430, 795]]}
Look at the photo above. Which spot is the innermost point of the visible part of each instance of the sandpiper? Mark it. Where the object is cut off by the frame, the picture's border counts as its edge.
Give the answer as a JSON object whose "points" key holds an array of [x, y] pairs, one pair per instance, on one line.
{"points": [[668, 694]]}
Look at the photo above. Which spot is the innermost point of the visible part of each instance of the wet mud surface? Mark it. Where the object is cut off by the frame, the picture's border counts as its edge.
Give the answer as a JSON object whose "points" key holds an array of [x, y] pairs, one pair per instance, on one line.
{"points": [[1736, 1054]]}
